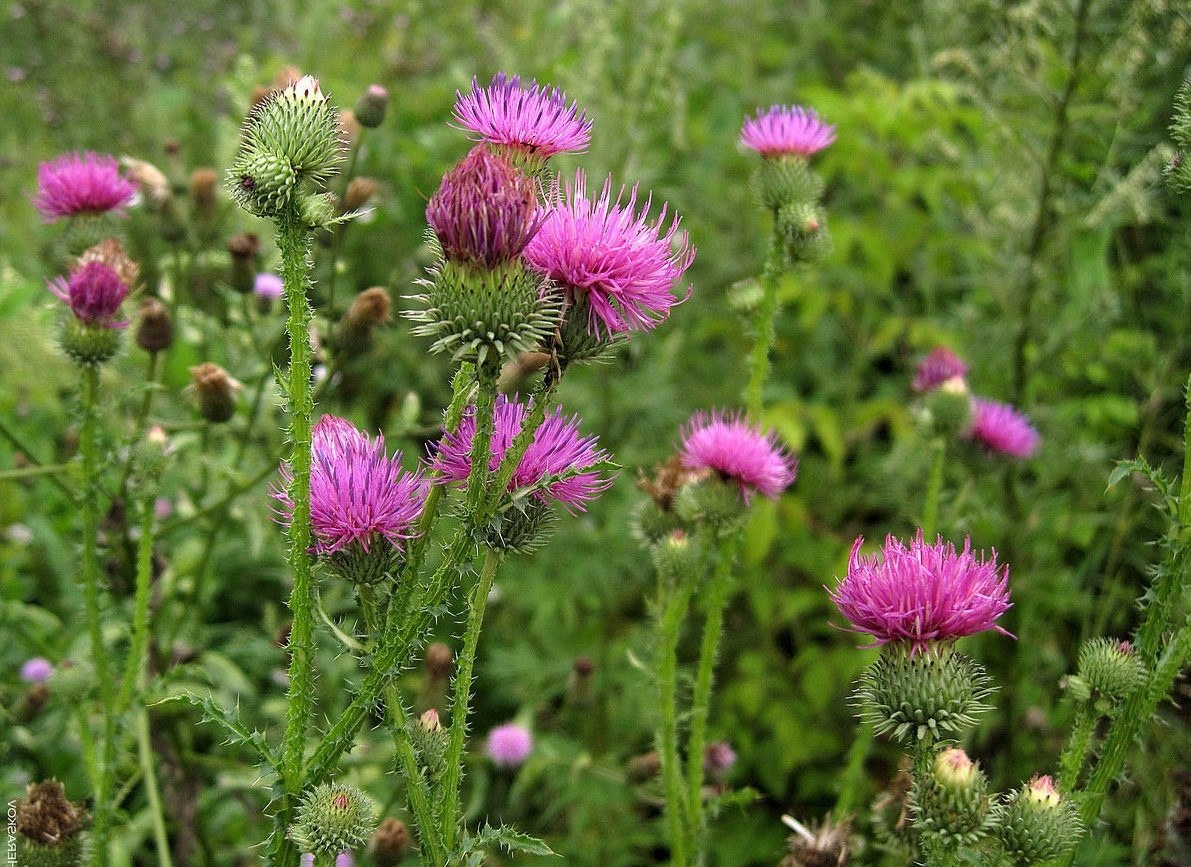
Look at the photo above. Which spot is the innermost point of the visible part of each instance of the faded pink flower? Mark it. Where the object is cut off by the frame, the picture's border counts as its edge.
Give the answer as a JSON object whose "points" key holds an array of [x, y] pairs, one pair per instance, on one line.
{"points": [[523, 116], [922, 594], [509, 745], [37, 670], [94, 293], [1001, 428], [786, 130], [604, 251], [939, 366], [729, 446], [82, 183]]}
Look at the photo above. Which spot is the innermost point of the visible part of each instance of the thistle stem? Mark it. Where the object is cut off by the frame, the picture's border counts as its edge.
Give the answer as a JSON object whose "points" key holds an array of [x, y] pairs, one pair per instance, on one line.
{"points": [[676, 601], [461, 697], [766, 316], [717, 599], [1075, 754], [481, 451], [934, 491]]}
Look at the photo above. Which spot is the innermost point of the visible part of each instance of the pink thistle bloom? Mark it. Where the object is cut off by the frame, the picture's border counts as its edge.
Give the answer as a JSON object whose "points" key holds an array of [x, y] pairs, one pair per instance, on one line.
{"points": [[939, 366], [76, 184], [509, 745], [37, 670], [557, 450], [718, 758], [94, 292], [486, 210], [344, 859], [358, 495], [729, 446], [922, 594], [534, 118], [1001, 428], [786, 130], [624, 265], [268, 286]]}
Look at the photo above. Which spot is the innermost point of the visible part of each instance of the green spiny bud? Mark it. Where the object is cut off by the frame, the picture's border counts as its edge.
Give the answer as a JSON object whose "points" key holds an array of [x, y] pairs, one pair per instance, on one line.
{"points": [[1110, 669], [333, 818], [1037, 824], [484, 315], [371, 107], [803, 226], [786, 180], [319, 210], [430, 742], [88, 344], [150, 455], [72, 682], [651, 523], [949, 407], [951, 805], [263, 183], [710, 501], [922, 697], [675, 557], [522, 527]]}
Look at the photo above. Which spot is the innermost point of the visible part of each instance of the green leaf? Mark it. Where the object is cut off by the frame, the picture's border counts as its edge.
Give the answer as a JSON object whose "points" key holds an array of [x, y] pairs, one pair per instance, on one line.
{"points": [[229, 721]]}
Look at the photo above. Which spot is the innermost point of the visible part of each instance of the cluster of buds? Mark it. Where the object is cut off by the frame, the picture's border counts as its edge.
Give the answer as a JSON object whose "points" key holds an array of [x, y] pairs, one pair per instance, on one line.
{"points": [[48, 827]]}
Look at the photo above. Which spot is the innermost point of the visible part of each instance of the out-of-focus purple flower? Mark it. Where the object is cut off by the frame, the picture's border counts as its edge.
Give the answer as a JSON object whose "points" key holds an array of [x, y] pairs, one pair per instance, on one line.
{"points": [[94, 292], [268, 286], [557, 450], [939, 366], [486, 210], [729, 446], [358, 495], [718, 758], [785, 130], [509, 745], [307, 860], [602, 250], [1001, 428], [922, 594], [344, 859], [37, 670], [531, 117], [81, 183]]}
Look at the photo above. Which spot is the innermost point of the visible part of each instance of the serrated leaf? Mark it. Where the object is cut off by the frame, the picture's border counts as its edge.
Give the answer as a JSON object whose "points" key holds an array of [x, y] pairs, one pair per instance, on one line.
{"points": [[509, 839], [228, 720]]}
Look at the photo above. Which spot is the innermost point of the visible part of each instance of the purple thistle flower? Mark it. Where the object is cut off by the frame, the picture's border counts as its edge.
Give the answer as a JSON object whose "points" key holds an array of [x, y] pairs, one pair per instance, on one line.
{"points": [[534, 118], [729, 446], [557, 449], [268, 286], [307, 860], [624, 265], [76, 184], [344, 859], [786, 130], [94, 292], [939, 366], [358, 495], [486, 210], [37, 670], [922, 594], [1001, 428], [509, 745], [718, 758]]}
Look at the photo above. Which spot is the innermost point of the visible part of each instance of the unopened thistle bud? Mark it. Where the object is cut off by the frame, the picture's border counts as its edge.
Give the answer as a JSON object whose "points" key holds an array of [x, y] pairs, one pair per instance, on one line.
{"points": [[949, 407], [244, 249], [149, 456], [522, 527], [291, 142], [644, 767], [676, 558], [951, 805], [372, 105], [359, 193], [369, 309], [202, 192], [333, 818], [48, 827], [712, 501], [439, 661], [924, 696], [215, 391], [1109, 671], [155, 330], [154, 185], [429, 738], [390, 844], [73, 682], [1037, 824]]}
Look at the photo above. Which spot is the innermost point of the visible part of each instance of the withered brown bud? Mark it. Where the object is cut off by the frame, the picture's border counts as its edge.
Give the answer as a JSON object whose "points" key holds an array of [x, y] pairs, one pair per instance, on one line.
{"points": [[359, 193], [30, 704], [643, 767], [259, 94], [203, 182], [390, 843], [44, 816], [666, 482], [522, 367], [349, 128], [111, 253], [171, 147], [825, 845], [371, 308], [216, 392], [440, 659], [243, 249], [155, 186], [155, 331]]}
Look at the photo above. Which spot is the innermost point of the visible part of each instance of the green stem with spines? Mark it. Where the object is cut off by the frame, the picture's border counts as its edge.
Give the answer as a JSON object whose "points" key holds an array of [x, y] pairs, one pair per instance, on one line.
{"points": [[481, 452], [717, 600], [1079, 744], [91, 574], [675, 602], [520, 445], [934, 491], [766, 316], [461, 698]]}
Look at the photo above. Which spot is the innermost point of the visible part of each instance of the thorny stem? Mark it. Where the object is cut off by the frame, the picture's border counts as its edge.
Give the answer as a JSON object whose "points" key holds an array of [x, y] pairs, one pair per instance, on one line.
{"points": [[1075, 754], [461, 698], [481, 451], [770, 278], [675, 602]]}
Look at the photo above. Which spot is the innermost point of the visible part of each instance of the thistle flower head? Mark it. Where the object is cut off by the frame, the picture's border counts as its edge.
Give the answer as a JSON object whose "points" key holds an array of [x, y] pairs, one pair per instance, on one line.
{"points": [[558, 461], [718, 758], [726, 444], [786, 130], [1037, 824], [37, 670], [531, 118], [79, 184], [509, 745], [606, 253], [268, 286], [937, 368], [922, 594], [1001, 428], [485, 212], [94, 292], [360, 498], [333, 818]]}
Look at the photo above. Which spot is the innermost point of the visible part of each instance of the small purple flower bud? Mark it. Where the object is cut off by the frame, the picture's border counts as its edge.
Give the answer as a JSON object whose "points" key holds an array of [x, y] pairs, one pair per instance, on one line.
{"points": [[509, 745], [371, 107], [718, 759], [937, 368], [37, 670], [268, 286]]}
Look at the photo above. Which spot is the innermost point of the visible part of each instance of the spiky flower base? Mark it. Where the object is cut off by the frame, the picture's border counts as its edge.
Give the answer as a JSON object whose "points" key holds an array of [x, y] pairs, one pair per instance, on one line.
{"points": [[922, 698], [485, 315], [952, 811], [353, 563], [88, 344], [712, 501], [521, 528], [334, 818], [786, 180], [575, 340], [1034, 829], [68, 853]]}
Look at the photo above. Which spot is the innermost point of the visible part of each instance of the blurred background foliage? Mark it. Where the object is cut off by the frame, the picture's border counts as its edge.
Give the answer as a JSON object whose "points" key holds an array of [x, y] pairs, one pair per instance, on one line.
{"points": [[994, 187]]}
